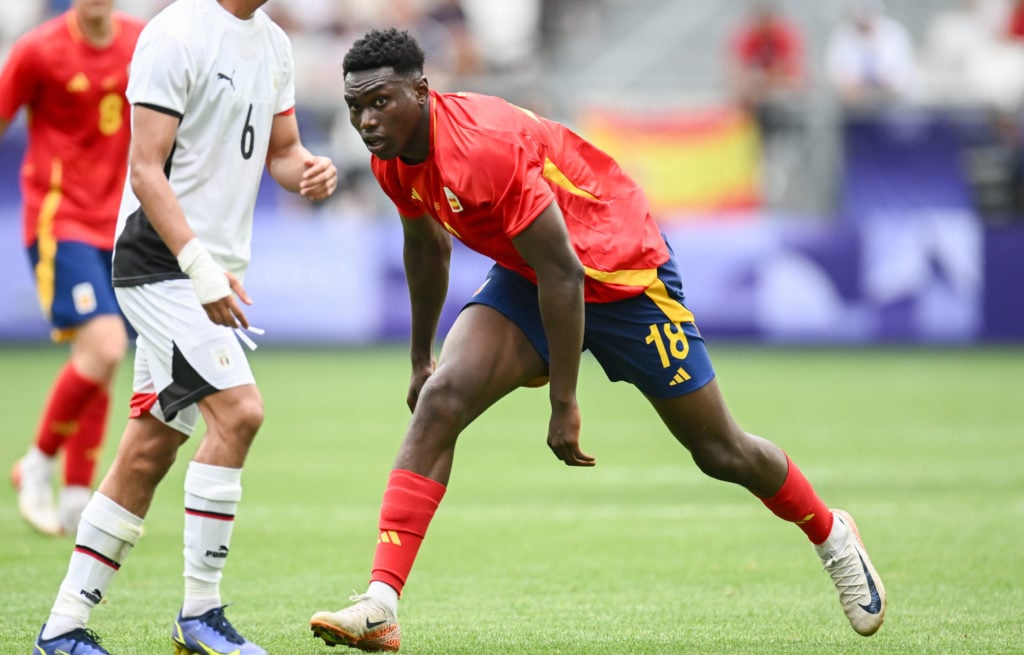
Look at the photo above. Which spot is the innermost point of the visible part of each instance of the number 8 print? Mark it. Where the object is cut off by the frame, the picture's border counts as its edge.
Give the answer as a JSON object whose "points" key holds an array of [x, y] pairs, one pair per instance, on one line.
{"points": [[111, 114]]}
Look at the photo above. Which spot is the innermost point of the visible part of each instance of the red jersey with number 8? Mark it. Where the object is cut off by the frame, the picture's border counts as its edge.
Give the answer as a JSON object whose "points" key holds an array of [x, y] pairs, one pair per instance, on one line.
{"points": [[78, 127]]}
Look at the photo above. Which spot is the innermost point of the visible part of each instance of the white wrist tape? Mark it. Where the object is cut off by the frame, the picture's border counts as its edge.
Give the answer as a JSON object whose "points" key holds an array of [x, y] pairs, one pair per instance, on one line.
{"points": [[208, 277]]}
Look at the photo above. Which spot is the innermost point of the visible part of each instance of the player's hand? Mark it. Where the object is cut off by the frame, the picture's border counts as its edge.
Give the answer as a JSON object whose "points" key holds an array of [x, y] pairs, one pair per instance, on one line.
{"points": [[319, 180], [417, 380], [226, 311], [564, 437]]}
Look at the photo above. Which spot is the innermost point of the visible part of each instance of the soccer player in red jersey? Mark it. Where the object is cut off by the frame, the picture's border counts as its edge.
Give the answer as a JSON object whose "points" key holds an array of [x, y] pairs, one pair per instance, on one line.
{"points": [[579, 264], [70, 73]]}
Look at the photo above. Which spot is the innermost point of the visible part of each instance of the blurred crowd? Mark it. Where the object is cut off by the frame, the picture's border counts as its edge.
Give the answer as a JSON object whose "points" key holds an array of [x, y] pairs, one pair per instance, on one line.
{"points": [[969, 54]]}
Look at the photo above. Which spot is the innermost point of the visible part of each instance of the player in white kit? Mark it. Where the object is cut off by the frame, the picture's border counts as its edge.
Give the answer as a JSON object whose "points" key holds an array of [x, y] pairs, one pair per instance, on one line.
{"points": [[212, 93]]}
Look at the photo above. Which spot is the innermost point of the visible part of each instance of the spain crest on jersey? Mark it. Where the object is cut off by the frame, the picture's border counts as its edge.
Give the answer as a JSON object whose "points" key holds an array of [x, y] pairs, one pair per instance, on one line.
{"points": [[453, 200]]}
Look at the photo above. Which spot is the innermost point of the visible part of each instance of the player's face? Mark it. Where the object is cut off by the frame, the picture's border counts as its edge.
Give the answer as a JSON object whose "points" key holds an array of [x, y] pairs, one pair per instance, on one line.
{"points": [[389, 111], [93, 9]]}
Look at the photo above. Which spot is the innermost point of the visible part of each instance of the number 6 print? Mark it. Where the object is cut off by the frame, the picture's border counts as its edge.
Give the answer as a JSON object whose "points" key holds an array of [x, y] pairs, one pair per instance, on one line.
{"points": [[248, 136]]}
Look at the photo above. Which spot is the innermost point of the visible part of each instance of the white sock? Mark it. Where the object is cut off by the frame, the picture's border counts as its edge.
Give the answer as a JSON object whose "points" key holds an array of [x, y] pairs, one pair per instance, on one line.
{"points": [[385, 593], [34, 456], [38, 464], [212, 494], [106, 534], [836, 539]]}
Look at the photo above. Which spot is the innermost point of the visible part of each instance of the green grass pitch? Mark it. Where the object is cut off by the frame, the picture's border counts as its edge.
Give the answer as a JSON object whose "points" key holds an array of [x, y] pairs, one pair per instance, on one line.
{"points": [[641, 554]]}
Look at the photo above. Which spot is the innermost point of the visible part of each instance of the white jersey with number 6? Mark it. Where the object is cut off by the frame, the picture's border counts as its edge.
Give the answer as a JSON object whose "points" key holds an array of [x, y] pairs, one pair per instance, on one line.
{"points": [[225, 79]]}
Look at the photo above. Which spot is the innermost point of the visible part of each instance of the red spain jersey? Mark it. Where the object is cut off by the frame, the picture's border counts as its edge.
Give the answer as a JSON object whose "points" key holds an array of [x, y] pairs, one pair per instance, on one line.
{"points": [[494, 167], [78, 127]]}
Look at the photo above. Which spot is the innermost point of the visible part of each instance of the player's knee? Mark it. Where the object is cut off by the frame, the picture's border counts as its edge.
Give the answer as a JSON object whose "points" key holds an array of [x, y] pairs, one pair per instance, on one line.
{"points": [[720, 461], [149, 459], [441, 402], [98, 358], [109, 353], [245, 418]]}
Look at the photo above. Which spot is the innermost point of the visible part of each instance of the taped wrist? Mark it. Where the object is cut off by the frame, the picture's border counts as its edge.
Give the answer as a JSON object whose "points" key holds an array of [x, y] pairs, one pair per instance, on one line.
{"points": [[208, 277]]}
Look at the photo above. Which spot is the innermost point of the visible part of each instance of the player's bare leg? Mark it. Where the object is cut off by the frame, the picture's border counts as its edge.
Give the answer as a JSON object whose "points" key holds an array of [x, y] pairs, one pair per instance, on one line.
{"points": [[147, 450], [110, 527], [98, 348], [701, 422], [75, 420], [722, 450], [213, 490], [485, 356]]}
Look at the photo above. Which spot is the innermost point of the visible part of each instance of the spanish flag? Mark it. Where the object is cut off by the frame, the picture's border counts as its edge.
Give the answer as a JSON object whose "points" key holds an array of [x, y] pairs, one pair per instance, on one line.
{"points": [[689, 161]]}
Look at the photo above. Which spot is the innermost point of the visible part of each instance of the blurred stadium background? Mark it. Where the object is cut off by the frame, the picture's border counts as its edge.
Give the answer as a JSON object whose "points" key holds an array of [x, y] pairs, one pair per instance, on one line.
{"points": [[898, 220]]}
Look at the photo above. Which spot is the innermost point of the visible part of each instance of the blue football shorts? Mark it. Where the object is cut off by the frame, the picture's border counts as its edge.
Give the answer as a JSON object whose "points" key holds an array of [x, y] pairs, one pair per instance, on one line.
{"points": [[73, 284], [650, 340]]}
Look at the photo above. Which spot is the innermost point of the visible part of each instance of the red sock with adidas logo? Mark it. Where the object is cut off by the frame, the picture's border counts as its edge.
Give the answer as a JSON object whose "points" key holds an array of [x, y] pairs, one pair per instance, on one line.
{"points": [[82, 449], [71, 395], [410, 501], [797, 502]]}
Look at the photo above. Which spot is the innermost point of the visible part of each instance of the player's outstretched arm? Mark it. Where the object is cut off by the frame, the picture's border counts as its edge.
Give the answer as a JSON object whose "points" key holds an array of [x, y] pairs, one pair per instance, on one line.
{"points": [[294, 167], [546, 248], [427, 255]]}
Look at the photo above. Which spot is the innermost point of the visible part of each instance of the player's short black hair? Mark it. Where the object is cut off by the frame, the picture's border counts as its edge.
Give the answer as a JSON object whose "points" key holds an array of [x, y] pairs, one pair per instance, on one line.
{"points": [[380, 48]]}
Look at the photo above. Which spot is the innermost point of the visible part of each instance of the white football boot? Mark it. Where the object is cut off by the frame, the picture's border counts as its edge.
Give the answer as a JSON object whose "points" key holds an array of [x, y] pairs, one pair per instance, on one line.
{"points": [[861, 592], [32, 477], [369, 625]]}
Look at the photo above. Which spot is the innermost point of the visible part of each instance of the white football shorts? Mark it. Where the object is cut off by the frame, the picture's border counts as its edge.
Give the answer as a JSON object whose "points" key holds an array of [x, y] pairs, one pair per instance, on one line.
{"points": [[180, 356]]}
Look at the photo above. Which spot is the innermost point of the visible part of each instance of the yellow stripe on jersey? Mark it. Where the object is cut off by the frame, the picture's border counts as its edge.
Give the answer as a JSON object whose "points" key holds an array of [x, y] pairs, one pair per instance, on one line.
{"points": [[45, 240], [556, 176], [636, 278], [653, 287], [674, 310], [526, 111]]}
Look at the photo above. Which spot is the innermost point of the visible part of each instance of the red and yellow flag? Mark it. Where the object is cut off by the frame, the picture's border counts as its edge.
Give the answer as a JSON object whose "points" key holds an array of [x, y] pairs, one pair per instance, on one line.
{"points": [[689, 161]]}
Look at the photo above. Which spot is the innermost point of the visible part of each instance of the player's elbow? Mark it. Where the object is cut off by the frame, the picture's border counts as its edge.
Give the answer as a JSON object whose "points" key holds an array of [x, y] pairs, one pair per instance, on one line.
{"points": [[569, 270], [140, 177]]}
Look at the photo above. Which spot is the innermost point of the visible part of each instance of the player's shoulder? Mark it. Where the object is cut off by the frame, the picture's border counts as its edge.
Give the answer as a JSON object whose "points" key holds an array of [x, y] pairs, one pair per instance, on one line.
{"points": [[479, 120], [178, 20], [46, 32], [184, 25], [276, 37], [269, 25], [473, 105], [486, 135]]}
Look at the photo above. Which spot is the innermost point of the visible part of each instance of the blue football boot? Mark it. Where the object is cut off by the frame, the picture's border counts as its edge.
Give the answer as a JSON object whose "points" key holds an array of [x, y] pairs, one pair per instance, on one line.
{"points": [[76, 642], [210, 634]]}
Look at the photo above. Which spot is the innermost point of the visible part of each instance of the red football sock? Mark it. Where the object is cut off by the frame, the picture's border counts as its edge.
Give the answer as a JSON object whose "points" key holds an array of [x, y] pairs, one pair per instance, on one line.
{"points": [[69, 399], [410, 501], [798, 503], [82, 449]]}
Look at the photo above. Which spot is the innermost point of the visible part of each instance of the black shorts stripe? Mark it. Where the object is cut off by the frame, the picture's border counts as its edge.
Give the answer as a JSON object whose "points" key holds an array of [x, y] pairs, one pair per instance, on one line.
{"points": [[187, 387]]}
